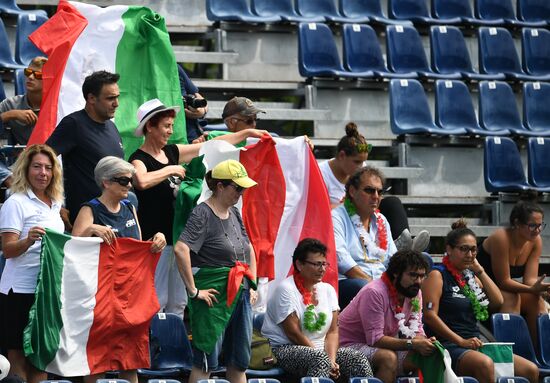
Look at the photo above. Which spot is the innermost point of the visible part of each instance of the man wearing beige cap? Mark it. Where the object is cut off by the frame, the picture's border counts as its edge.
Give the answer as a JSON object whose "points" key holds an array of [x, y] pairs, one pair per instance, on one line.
{"points": [[238, 114]]}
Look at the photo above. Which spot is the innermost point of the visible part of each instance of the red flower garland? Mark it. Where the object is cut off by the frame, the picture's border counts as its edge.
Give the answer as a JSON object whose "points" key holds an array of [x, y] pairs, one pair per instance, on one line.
{"points": [[299, 282], [393, 293], [457, 275], [382, 232]]}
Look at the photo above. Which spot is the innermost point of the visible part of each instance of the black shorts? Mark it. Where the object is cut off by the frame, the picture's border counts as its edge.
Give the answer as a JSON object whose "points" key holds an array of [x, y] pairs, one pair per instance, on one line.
{"points": [[14, 316]]}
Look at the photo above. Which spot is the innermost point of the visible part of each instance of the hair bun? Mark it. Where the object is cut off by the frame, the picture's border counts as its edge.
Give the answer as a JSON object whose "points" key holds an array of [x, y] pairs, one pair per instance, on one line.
{"points": [[460, 224], [351, 130]]}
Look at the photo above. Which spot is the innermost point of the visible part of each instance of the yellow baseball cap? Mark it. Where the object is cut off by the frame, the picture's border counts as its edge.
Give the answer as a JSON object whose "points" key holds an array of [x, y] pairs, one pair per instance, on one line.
{"points": [[234, 171]]}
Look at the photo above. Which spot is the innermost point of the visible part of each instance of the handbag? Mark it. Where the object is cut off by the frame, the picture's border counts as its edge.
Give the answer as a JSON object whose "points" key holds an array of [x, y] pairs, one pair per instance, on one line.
{"points": [[261, 354]]}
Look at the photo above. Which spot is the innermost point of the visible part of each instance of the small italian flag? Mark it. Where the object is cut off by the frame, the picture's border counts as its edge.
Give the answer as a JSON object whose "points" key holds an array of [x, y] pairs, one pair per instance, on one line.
{"points": [[93, 305], [502, 356], [129, 40]]}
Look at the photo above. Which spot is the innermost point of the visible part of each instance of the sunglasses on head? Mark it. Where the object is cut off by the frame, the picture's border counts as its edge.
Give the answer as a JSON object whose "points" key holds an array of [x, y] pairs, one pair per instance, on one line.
{"points": [[248, 121], [363, 148], [122, 181], [37, 73]]}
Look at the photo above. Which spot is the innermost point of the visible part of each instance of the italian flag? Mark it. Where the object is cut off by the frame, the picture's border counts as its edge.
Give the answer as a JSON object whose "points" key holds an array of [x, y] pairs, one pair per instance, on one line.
{"points": [[502, 355], [289, 203], [93, 305], [129, 40]]}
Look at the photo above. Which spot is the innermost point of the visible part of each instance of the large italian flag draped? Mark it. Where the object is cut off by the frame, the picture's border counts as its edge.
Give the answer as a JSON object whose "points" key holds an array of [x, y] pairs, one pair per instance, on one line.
{"points": [[289, 203], [93, 306], [131, 41]]}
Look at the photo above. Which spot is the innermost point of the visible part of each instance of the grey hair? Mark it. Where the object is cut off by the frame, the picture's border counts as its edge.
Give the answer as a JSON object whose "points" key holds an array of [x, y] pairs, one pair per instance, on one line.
{"points": [[109, 167]]}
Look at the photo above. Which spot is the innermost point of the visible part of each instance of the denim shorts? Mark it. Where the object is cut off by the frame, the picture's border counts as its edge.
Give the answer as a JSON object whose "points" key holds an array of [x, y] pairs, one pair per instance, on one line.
{"points": [[456, 352], [234, 341]]}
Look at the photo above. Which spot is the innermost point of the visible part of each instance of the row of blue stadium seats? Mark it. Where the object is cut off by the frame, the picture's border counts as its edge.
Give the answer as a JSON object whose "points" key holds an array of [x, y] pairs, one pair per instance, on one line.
{"points": [[503, 171], [454, 110], [25, 50], [530, 13], [10, 7], [318, 54], [19, 84]]}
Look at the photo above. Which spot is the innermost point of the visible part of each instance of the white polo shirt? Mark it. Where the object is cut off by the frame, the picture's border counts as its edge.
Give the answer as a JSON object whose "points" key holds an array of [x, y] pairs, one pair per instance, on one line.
{"points": [[18, 214]]}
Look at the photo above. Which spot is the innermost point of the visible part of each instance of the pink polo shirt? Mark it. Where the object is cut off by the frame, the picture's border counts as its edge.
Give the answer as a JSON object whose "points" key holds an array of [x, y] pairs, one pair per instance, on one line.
{"points": [[370, 316]]}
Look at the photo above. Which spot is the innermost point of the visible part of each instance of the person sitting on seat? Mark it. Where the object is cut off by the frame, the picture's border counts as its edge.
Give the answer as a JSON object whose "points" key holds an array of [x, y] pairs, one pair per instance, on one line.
{"points": [[302, 321]]}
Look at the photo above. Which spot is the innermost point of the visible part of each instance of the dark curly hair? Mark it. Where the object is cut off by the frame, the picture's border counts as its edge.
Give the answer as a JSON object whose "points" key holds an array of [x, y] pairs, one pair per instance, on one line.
{"points": [[355, 179], [523, 210], [305, 246], [404, 259]]}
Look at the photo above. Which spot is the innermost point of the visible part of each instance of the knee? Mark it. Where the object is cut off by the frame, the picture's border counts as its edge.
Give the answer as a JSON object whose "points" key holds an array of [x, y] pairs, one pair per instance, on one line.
{"points": [[486, 369], [385, 359]]}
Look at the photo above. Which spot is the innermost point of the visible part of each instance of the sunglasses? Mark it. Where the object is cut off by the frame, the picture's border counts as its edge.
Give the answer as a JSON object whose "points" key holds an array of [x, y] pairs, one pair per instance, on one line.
{"points": [[363, 148], [122, 181], [371, 190], [238, 189], [248, 121], [37, 73], [464, 249]]}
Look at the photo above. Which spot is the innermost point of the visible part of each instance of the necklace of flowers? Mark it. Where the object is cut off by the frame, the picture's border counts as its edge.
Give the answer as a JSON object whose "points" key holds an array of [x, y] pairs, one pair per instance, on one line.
{"points": [[382, 237], [412, 329], [467, 282], [312, 322]]}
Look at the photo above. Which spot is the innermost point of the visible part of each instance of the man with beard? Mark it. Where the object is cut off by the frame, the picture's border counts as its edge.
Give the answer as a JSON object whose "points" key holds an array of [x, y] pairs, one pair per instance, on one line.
{"points": [[384, 320]]}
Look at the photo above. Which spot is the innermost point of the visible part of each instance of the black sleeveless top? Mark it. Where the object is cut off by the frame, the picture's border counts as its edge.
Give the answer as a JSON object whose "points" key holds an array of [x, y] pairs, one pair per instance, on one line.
{"points": [[455, 308], [123, 223], [484, 259]]}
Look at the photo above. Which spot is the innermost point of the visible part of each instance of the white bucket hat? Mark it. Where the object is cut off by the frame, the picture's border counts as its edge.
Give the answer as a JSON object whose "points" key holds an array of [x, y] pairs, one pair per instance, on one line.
{"points": [[147, 110]]}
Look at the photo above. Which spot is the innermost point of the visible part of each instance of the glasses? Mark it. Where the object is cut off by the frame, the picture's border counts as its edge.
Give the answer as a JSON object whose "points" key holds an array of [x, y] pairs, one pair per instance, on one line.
{"points": [[37, 73], [464, 249], [416, 276], [371, 190], [362, 148], [318, 265], [248, 121], [536, 226], [122, 181], [238, 189]]}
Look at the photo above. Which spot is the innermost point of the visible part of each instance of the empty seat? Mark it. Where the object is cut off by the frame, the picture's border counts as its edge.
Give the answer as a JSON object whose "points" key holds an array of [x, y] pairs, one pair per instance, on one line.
{"points": [[10, 7], [503, 171], [19, 82], [533, 10], [543, 325], [498, 108], [370, 10], [497, 54], [362, 53], [25, 50], [317, 52], [410, 112], [512, 328], [454, 109], [536, 114], [322, 8], [6, 58], [538, 175], [281, 8], [406, 53], [450, 10], [501, 12], [535, 48], [450, 54], [235, 10], [415, 11]]}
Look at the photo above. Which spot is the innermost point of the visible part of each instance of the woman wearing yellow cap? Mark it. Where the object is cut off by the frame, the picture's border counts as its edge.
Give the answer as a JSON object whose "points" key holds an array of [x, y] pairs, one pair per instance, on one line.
{"points": [[215, 241]]}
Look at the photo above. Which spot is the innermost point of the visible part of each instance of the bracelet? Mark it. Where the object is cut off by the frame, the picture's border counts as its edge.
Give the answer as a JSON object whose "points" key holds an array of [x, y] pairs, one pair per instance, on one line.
{"points": [[194, 296]]}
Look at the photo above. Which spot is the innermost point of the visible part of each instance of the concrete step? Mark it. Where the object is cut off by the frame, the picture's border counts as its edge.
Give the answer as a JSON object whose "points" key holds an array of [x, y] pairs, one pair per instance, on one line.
{"points": [[481, 231], [441, 221], [249, 85], [184, 55], [430, 200], [274, 111]]}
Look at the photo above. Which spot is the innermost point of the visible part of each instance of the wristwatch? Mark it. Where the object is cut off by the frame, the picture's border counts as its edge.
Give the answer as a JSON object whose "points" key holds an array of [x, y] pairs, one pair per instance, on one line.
{"points": [[409, 344]]}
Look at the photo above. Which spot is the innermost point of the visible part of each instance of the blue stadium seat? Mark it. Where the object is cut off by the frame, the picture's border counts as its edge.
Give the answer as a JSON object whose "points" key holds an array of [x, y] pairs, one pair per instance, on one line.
{"points": [[257, 323], [25, 50], [454, 109], [503, 172], [362, 53], [104, 381], [2, 91], [502, 12], [415, 11], [533, 10], [258, 320], [468, 379], [546, 380], [171, 352], [512, 328], [543, 325], [498, 109], [450, 54], [371, 9], [6, 58], [55, 381], [512, 379], [538, 175], [216, 380], [535, 48], [364, 380], [264, 380], [20, 82], [10, 7], [410, 112], [406, 54], [536, 114], [453, 9], [163, 381], [317, 52], [405, 379], [497, 54], [235, 10], [282, 8], [310, 379], [323, 8]]}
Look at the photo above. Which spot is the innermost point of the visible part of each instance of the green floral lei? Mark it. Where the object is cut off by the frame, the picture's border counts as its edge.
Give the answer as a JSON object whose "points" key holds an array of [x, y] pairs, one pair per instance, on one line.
{"points": [[310, 323]]}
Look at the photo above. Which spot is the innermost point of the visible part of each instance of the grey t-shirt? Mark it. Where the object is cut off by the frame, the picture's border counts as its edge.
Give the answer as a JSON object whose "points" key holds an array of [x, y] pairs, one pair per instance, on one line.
{"points": [[214, 241], [19, 131]]}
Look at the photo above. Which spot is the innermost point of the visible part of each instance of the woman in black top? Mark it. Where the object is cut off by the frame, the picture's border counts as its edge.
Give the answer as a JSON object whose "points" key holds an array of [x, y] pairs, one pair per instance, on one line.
{"points": [[456, 296]]}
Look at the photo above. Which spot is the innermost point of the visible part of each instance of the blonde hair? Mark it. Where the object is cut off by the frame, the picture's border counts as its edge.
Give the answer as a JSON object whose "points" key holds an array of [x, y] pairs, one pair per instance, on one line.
{"points": [[21, 170], [38, 61]]}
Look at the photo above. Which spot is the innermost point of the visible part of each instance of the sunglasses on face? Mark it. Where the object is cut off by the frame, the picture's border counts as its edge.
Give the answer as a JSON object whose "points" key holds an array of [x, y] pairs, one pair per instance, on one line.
{"points": [[238, 189], [536, 226], [370, 190], [37, 73], [122, 181], [464, 249], [248, 121]]}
